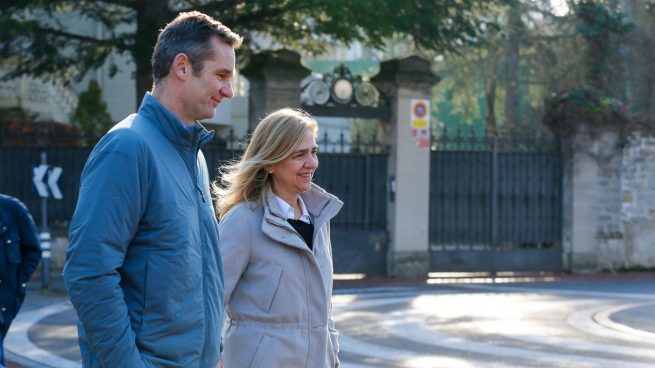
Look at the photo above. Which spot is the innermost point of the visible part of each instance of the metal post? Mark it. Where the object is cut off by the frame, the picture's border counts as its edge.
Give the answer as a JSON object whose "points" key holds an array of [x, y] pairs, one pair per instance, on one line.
{"points": [[44, 236], [494, 203]]}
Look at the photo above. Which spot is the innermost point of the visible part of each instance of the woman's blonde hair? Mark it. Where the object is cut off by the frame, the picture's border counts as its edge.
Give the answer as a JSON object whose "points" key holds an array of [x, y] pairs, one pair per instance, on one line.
{"points": [[276, 137]]}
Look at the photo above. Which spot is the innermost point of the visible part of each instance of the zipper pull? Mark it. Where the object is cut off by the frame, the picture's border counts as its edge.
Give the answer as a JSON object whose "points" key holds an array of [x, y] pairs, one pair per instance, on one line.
{"points": [[201, 194]]}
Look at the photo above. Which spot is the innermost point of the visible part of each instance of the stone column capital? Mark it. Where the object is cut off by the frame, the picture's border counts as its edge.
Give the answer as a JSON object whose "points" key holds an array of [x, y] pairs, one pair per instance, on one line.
{"points": [[282, 64], [412, 72]]}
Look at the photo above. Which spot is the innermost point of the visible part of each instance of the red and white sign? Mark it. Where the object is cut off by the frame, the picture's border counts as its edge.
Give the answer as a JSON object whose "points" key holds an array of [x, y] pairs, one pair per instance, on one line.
{"points": [[420, 122]]}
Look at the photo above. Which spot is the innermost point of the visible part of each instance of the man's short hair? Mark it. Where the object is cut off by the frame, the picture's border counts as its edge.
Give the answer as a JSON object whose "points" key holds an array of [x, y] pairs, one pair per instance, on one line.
{"points": [[189, 33]]}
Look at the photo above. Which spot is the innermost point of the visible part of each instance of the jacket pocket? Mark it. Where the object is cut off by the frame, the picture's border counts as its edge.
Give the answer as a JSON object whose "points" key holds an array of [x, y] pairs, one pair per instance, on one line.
{"points": [[273, 282], [260, 354], [12, 247]]}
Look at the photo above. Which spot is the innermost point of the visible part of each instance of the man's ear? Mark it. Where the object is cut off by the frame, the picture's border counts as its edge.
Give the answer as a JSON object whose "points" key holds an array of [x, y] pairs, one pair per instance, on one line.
{"points": [[181, 66]]}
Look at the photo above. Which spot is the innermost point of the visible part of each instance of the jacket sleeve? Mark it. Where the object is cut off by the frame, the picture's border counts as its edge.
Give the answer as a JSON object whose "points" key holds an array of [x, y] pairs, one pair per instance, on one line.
{"points": [[29, 244], [334, 337], [334, 334], [111, 202], [235, 242]]}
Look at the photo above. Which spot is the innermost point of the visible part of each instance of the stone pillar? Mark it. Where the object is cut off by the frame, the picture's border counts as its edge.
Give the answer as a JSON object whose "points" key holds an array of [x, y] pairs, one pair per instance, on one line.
{"points": [[638, 192], [400, 81], [274, 77], [593, 198]]}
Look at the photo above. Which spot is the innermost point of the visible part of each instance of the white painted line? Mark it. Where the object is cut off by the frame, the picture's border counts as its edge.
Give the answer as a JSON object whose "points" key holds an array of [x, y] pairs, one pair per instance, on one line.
{"points": [[399, 322], [409, 359], [604, 318], [353, 365], [518, 326], [593, 294], [18, 343], [584, 320]]}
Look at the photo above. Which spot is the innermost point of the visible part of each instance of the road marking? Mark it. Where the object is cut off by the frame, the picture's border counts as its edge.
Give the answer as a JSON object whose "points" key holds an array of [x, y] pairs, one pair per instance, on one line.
{"points": [[594, 294], [595, 321], [18, 343], [409, 359], [399, 322], [603, 317], [495, 319]]}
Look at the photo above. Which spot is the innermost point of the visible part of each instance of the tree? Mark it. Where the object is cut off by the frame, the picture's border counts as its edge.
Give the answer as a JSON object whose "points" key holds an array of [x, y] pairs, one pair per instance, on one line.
{"points": [[30, 30], [502, 85], [91, 113]]}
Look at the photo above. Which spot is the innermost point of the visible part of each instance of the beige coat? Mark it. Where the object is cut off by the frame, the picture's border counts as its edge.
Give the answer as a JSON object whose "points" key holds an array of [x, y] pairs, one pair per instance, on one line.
{"points": [[277, 291]]}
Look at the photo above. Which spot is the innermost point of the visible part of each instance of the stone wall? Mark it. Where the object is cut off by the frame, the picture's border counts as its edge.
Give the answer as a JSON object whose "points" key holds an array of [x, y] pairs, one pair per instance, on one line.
{"points": [[638, 199], [609, 207]]}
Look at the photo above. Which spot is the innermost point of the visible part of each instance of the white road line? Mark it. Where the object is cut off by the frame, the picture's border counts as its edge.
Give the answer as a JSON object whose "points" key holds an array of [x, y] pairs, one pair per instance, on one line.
{"points": [[594, 321], [593, 294], [353, 365], [604, 318], [409, 359], [398, 323], [17, 341], [343, 303], [519, 324]]}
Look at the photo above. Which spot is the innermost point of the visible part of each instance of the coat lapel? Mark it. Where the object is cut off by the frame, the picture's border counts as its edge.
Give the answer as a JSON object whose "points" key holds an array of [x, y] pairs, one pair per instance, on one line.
{"points": [[276, 227]]}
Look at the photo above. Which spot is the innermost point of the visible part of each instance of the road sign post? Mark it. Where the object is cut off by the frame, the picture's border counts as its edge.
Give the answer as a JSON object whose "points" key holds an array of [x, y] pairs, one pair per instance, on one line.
{"points": [[45, 179]]}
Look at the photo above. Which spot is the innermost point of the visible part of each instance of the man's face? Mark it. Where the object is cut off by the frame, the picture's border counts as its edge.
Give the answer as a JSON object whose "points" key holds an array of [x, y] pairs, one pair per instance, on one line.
{"points": [[205, 91]]}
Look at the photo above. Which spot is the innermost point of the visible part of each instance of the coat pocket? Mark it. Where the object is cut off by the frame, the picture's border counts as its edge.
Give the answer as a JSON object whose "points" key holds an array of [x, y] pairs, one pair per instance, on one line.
{"points": [[12, 247], [261, 353], [273, 282]]}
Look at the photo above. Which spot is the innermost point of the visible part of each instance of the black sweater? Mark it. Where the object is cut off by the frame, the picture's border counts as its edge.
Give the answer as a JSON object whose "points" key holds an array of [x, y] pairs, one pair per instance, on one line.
{"points": [[305, 230]]}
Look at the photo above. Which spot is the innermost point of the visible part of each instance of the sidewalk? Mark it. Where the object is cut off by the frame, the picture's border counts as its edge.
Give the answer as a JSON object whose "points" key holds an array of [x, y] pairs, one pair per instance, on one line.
{"points": [[44, 334]]}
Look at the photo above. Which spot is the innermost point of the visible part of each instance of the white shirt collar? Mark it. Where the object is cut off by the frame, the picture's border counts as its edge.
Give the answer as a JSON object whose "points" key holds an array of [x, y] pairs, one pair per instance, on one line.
{"points": [[289, 211]]}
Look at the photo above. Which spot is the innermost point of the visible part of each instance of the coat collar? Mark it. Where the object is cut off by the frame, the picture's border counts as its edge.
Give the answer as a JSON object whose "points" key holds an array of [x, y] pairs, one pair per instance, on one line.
{"points": [[320, 204], [193, 136]]}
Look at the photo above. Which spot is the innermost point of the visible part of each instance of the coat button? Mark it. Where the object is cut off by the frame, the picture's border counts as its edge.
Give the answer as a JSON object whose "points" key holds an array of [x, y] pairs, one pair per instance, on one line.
{"points": [[8, 241], [3, 309], [23, 285]]}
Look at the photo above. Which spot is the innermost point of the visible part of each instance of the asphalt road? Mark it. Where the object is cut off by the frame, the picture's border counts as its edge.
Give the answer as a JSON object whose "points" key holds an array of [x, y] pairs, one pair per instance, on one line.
{"points": [[570, 323], [558, 324]]}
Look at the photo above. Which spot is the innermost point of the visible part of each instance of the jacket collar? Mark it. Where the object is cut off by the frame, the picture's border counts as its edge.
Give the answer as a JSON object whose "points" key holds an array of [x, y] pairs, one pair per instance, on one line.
{"points": [[319, 203], [193, 136]]}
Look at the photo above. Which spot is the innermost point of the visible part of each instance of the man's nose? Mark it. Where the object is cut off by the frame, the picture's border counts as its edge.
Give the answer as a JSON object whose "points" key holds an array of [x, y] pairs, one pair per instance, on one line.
{"points": [[227, 91]]}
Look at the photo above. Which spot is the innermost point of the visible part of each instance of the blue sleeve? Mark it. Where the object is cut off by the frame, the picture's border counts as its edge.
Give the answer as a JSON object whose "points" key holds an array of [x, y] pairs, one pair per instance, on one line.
{"points": [[111, 202], [30, 247]]}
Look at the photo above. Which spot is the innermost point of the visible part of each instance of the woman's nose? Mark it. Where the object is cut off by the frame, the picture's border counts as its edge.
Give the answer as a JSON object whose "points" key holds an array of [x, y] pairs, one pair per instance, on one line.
{"points": [[312, 162]]}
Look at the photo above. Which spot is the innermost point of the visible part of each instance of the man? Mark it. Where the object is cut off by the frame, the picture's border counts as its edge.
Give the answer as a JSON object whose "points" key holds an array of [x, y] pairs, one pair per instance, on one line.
{"points": [[19, 256], [143, 267]]}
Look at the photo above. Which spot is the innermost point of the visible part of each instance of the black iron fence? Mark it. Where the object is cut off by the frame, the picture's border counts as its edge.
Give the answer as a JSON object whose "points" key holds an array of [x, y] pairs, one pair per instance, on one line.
{"points": [[354, 170], [495, 193]]}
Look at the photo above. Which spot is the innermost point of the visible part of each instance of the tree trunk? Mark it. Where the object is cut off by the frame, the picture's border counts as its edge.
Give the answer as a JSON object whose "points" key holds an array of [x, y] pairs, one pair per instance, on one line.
{"points": [[490, 100], [152, 15], [639, 58], [511, 69]]}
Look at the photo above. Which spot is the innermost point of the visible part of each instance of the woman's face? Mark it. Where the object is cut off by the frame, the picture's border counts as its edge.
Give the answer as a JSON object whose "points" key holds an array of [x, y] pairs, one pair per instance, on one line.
{"points": [[293, 175]]}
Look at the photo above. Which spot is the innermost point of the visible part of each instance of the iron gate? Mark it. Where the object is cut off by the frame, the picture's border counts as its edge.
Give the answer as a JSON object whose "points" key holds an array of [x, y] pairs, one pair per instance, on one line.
{"points": [[495, 203]]}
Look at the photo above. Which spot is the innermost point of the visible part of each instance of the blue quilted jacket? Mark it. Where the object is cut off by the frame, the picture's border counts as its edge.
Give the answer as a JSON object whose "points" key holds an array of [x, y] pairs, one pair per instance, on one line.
{"points": [[143, 268]]}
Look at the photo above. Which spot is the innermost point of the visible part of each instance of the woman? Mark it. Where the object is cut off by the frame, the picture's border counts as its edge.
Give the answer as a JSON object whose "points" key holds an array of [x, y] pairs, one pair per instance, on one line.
{"points": [[274, 236]]}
